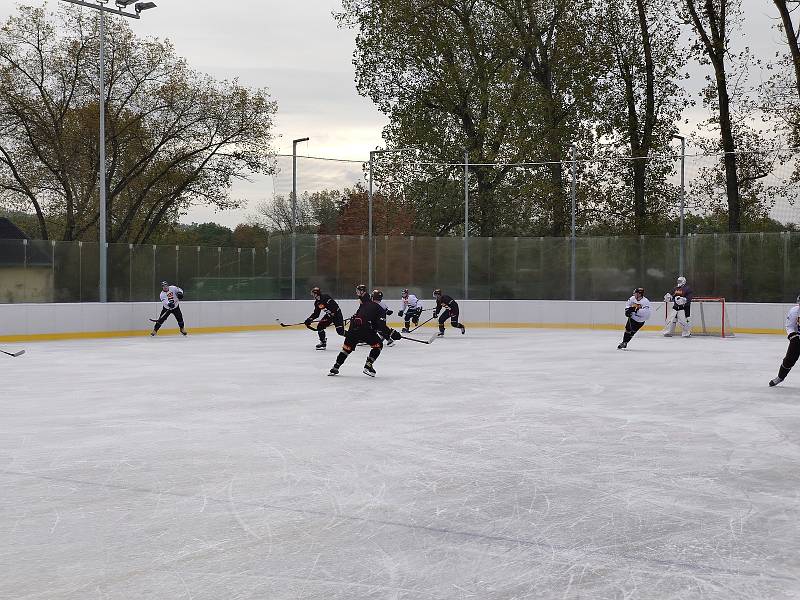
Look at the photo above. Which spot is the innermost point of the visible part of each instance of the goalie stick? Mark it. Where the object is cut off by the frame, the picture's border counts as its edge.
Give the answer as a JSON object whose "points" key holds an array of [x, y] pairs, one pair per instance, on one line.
{"points": [[14, 354]]}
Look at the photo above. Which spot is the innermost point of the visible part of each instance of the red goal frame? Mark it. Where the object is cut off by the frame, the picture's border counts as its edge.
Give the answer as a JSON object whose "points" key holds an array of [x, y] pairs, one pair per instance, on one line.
{"points": [[723, 332]]}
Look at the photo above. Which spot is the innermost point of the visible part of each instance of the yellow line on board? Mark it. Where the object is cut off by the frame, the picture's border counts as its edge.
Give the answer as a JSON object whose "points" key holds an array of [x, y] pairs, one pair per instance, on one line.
{"points": [[84, 335]]}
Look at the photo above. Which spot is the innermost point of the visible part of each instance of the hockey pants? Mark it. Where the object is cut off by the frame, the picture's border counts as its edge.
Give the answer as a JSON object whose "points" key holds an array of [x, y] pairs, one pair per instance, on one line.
{"points": [[631, 327], [165, 313]]}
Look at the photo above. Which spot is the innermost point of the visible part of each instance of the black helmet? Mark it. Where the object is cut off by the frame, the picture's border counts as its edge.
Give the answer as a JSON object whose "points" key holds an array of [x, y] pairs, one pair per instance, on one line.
{"points": [[315, 291], [377, 295], [404, 294], [437, 292], [639, 290], [361, 289]]}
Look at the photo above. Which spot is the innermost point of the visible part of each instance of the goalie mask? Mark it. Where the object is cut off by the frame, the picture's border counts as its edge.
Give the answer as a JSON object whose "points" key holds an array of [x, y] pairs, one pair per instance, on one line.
{"points": [[681, 281]]}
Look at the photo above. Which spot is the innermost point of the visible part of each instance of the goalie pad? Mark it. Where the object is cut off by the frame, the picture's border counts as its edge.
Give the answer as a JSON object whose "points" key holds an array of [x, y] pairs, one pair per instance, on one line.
{"points": [[669, 327]]}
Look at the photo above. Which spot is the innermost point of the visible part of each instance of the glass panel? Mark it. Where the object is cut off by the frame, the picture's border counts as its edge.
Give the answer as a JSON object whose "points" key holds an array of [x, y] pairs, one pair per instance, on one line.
{"points": [[119, 273], [12, 271]]}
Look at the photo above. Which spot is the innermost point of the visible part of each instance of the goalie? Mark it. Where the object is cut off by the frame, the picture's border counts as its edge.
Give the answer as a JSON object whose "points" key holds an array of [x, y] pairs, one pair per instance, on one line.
{"points": [[637, 309], [793, 352], [681, 298]]}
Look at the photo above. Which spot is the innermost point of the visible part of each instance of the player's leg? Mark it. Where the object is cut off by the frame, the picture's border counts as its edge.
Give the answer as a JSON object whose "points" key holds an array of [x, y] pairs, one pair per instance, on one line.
{"points": [[415, 316], [407, 319], [792, 354], [631, 327], [338, 322], [161, 318], [350, 342], [454, 322], [323, 323], [686, 322], [179, 318], [672, 320], [376, 346], [442, 320]]}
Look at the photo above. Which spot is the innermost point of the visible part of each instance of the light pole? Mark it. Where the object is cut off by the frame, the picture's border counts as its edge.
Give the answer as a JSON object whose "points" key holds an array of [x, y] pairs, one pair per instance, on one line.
{"points": [[372, 154], [294, 210], [100, 6], [683, 203], [572, 268], [466, 224]]}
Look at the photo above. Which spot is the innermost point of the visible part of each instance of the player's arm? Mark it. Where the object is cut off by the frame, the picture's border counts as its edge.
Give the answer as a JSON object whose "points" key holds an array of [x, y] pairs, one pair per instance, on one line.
{"points": [[629, 308]]}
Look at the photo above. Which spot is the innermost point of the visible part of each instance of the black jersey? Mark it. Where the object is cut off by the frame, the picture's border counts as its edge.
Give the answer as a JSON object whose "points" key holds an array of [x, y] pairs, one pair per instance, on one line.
{"points": [[445, 301], [325, 303], [369, 316], [684, 291]]}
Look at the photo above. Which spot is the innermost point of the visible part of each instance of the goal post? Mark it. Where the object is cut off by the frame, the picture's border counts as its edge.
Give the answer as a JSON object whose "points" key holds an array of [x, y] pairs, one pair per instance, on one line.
{"points": [[709, 316]]}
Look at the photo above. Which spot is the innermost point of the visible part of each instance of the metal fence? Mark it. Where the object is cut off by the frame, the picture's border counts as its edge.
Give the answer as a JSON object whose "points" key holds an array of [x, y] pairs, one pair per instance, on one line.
{"points": [[741, 267]]}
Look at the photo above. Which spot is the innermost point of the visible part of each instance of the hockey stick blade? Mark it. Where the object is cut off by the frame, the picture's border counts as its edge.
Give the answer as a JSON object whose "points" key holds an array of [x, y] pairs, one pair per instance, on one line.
{"points": [[14, 354], [411, 339]]}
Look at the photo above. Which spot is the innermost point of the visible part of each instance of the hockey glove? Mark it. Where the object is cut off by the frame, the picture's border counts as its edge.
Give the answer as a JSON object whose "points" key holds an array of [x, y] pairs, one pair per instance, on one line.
{"points": [[170, 305], [395, 335], [629, 311], [307, 322], [667, 297], [179, 295], [388, 312], [400, 314], [435, 315]]}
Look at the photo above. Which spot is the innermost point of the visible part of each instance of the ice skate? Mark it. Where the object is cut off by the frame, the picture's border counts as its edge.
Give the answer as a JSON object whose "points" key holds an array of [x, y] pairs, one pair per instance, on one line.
{"points": [[153, 333], [463, 329], [390, 342], [440, 334], [321, 346], [686, 333], [183, 331], [334, 371], [368, 370], [405, 330], [622, 346], [774, 382]]}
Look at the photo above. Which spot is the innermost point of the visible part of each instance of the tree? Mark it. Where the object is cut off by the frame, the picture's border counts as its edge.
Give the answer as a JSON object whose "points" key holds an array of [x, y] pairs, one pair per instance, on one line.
{"points": [[712, 21], [642, 102], [791, 35], [175, 137], [508, 80]]}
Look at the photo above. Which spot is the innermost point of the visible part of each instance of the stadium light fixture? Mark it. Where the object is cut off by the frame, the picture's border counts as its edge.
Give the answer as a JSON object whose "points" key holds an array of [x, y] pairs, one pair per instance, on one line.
{"points": [[99, 5], [372, 154], [140, 6]]}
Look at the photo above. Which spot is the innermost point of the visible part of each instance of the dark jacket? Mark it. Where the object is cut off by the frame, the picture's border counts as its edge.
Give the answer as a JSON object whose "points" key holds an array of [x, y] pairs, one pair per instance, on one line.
{"points": [[326, 303]]}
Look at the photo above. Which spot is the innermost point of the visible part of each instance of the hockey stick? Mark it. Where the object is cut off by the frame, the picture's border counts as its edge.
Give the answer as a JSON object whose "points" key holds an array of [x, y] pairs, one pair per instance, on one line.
{"points": [[14, 354], [411, 339], [421, 324]]}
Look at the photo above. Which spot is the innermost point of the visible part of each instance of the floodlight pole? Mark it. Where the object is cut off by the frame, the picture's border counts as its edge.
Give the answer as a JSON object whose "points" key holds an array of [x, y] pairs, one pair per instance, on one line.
{"points": [[294, 211], [572, 234], [370, 259], [99, 6], [466, 224], [683, 203]]}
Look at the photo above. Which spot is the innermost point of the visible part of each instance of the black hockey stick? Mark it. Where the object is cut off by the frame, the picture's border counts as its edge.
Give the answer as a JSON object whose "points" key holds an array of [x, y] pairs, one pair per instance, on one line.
{"points": [[421, 324], [14, 354], [411, 339]]}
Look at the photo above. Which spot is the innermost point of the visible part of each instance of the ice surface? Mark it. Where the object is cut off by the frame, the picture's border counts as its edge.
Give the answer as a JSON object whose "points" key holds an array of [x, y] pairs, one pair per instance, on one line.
{"points": [[500, 464]]}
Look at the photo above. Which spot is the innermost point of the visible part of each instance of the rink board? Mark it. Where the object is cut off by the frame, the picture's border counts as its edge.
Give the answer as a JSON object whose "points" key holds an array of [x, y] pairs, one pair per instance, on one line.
{"points": [[39, 322]]}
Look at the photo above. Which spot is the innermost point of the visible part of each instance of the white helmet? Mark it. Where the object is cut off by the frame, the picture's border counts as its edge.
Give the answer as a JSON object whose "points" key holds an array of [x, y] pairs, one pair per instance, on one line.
{"points": [[681, 281]]}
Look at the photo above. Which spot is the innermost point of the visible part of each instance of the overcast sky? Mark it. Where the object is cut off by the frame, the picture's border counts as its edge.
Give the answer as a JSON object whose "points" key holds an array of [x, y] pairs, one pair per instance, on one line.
{"points": [[296, 50]]}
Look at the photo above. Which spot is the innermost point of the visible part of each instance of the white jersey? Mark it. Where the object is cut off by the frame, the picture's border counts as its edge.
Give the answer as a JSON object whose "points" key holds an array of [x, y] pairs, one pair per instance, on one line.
{"points": [[411, 302], [641, 315], [792, 325], [171, 296]]}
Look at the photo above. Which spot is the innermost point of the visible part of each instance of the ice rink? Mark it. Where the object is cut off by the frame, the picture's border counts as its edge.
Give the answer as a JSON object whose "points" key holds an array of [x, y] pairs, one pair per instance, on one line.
{"points": [[501, 464]]}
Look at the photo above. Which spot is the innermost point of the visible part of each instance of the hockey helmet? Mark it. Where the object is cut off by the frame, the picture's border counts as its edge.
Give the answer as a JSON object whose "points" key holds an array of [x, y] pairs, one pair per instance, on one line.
{"points": [[404, 294], [437, 292], [377, 295], [361, 289], [638, 290], [315, 291], [164, 284], [681, 281]]}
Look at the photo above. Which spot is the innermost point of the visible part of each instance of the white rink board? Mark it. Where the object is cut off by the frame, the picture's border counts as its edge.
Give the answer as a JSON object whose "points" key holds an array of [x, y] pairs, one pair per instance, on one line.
{"points": [[131, 318], [500, 464]]}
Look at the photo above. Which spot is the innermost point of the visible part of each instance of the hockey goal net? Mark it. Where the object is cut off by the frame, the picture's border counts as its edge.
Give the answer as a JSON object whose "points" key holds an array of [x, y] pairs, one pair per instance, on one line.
{"points": [[709, 316]]}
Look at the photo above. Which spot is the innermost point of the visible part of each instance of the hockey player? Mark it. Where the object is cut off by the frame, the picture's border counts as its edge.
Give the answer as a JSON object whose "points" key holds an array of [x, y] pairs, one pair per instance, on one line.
{"points": [[793, 352], [365, 326], [450, 311], [637, 309], [681, 298], [412, 308], [377, 296], [333, 315], [171, 296]]}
